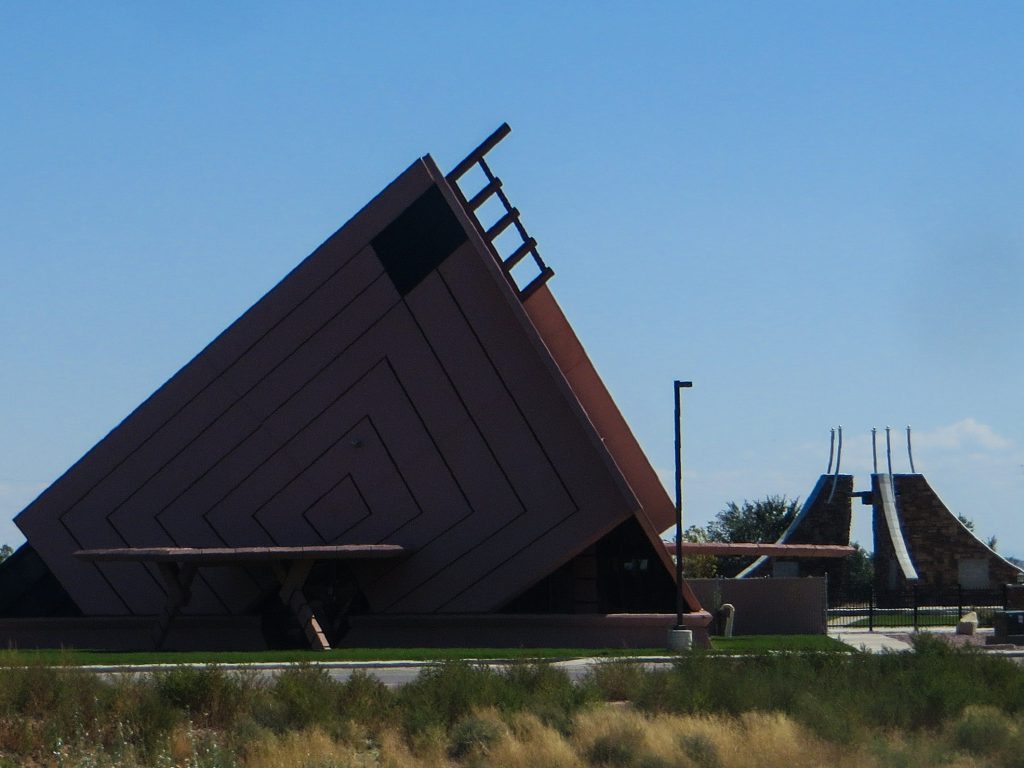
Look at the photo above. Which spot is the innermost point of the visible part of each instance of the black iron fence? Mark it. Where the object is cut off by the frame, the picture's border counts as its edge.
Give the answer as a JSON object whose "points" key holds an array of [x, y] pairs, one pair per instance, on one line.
{"points": [[914, 607]]}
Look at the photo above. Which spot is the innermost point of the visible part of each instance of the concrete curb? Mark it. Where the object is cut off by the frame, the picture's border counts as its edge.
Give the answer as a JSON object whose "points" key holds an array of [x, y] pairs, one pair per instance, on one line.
{"points": [[275, 666]]}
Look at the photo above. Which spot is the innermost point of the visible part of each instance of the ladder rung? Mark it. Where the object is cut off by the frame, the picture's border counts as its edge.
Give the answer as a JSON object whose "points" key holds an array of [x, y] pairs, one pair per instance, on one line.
{"points": [[519, 253], [480, 197], [486, 146], [502, 224]]}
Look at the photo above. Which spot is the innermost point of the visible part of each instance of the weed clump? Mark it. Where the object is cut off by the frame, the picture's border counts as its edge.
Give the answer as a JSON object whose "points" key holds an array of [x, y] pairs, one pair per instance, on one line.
{"points": [[619, 680], [476, 736], [701, 750], [983, 731]]}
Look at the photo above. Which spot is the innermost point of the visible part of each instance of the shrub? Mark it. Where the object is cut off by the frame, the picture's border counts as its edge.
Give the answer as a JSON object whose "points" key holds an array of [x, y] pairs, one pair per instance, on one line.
{"points": [[828, 719], [366, 700], [928, 644], [208, 694], [444, 694], [619, 680], [983, 730], [138, 716], [620, 747], [544, 690], [304, 696], [475, 737], [701, 750]]}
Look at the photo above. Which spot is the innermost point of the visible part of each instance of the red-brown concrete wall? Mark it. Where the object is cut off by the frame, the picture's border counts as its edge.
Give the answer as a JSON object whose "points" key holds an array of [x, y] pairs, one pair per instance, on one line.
{"points": [[778, 606]]}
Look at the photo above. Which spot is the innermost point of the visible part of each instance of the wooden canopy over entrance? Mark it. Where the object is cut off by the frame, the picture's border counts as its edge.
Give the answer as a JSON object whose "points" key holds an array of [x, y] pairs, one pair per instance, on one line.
{"points": [[291, 567], [758, 550]]}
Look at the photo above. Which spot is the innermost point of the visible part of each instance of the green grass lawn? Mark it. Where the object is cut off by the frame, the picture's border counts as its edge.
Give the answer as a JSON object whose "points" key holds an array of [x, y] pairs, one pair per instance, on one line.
{"points": [[73, 657], [776, 643]]}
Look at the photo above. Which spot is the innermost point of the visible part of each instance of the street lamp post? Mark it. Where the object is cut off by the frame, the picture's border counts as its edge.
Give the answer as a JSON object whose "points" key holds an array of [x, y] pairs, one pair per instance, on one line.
{"points": [[680, 607]]}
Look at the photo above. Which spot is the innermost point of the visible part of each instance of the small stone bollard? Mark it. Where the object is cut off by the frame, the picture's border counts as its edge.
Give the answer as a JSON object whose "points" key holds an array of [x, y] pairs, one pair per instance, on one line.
{"points": [[968, 624], [726, 616]]}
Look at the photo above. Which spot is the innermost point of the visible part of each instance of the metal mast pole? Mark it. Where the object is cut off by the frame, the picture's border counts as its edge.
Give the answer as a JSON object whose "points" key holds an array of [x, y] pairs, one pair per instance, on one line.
{"points": [[680, 606]]}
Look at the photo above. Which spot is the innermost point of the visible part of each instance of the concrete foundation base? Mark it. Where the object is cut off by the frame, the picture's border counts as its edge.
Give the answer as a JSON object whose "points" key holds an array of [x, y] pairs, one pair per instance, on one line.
{"points": [[134, 633], [680, 639], [379, 631], [503, 630]]}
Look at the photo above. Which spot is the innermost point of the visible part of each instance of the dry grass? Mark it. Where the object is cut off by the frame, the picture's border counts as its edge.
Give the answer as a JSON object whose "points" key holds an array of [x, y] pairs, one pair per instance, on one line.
{"points": [[621, 737], [532, 744], [308, 749], [606, 736]]}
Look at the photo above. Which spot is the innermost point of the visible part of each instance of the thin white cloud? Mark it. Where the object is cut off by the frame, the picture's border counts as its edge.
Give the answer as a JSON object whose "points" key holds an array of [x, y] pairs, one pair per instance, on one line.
{"points": [[966, 434]]}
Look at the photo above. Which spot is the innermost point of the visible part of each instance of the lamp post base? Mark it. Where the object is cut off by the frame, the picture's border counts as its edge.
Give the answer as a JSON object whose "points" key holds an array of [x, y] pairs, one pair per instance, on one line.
{"points": [[680, 639]]}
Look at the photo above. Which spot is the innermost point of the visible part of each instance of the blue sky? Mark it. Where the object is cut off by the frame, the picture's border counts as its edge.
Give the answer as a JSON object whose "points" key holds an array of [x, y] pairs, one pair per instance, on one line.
{"points": [[813, 211]]}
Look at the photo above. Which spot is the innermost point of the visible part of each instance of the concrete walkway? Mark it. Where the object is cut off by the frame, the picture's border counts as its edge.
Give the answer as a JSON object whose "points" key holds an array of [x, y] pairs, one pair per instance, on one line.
{"points": [[870, 642]]}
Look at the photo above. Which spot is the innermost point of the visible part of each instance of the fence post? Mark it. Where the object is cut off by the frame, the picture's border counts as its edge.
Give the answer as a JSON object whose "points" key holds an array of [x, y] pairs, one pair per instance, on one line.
{"points": [[871, 610], [825, 612], [913, 600], [959, 601]]}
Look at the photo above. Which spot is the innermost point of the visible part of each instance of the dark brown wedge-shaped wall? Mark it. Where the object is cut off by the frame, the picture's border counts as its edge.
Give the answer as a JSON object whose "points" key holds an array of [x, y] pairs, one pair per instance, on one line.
{"points": [[391, 389], [944, 553], [824, 518]]}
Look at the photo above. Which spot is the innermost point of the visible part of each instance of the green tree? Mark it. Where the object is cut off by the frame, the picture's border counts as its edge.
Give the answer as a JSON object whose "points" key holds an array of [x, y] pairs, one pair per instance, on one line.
{"points": [[991, 542], [699, 566], [860, 571], [761, 521], [758, 522], [5, 552]]}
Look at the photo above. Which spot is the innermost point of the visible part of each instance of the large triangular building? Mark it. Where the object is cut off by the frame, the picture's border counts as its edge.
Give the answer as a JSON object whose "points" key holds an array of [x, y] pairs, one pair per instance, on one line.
{"points": [[399, 413]]}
